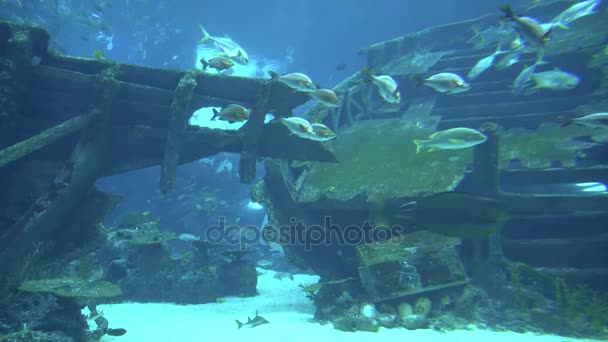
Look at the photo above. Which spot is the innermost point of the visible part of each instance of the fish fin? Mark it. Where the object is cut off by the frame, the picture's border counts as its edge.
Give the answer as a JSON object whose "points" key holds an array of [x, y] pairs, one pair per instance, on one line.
{"points": [[367, 73], [204, 63], [565, 121], [434, 135], [562, 25], [420, 145], [547, 34], [205, 36], [273, 75], [508, 11], [418, 79], [216, 114], [239, 325], [410, 206], [475, 34], [433, 149]]}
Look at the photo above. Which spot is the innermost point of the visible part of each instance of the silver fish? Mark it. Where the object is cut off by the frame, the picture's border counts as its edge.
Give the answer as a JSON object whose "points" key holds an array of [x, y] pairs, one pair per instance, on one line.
{"points": [[555, 80], [446, 82], [299, 127], [522, 81], [295, 80], [451, 139], [596, 120], [574, 12], [529, 29], [226, 45], [508, 60], [483, 64], [326, 97], [496, 34], [387, 86], [322, 132]]}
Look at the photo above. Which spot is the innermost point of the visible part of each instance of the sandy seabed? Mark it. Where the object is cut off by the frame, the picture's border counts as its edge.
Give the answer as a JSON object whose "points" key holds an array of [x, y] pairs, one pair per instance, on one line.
{"points": [[282, 303]]}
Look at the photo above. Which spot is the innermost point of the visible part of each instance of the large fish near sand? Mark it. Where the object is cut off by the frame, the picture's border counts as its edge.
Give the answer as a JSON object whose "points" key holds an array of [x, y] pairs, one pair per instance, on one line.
{"points": [[453, 214]]}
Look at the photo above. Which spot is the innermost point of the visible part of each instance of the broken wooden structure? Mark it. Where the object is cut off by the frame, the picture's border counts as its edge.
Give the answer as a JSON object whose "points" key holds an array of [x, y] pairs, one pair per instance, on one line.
{"points": [[377, 161], [65, 122]]}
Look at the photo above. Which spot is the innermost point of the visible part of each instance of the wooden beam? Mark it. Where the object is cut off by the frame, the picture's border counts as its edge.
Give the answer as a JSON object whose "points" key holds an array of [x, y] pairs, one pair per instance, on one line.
{"points": [[251, 133], [178, 121], [45, 138]]}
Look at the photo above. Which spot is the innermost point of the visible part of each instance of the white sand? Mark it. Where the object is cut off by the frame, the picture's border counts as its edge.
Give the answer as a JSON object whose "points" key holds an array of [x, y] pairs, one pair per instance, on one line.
{"points": [[283, 304]]}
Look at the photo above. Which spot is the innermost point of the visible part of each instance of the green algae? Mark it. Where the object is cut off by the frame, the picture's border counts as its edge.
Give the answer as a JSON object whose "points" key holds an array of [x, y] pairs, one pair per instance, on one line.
{"points": [[71, 287], [378, 157]]}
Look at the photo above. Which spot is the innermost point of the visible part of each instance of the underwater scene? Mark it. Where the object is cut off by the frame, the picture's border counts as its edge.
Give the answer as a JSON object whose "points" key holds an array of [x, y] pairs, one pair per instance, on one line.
{"points": [[290, 170]]}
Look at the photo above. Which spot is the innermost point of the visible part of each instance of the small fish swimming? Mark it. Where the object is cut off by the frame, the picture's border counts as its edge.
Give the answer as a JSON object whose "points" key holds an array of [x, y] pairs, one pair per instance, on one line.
{"points": [[296, 81], [574, 12], [322, 132], [226, 45], [451, 139], [483, 64], [218, 63], [522, 81], [555, 80], [188, 237], [529, 29], [326, 97], [252, 323], [596, 120], [575, 145], [387, 86], [231, 113], [508, 60], [116, 332], [299, 126], [445, 82], [496, 34]]}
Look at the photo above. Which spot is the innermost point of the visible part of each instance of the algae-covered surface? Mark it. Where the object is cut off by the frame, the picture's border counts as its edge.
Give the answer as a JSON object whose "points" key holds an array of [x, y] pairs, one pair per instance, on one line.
{"points": [[379, 157], [72, 287], [539, 148]]}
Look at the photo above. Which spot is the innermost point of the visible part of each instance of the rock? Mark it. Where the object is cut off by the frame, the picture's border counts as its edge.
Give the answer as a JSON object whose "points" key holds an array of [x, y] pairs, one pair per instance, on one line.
{"points": [[423, 306], [344, 324], [414, 321], [387, 320], [404, 310], [366, 324]]}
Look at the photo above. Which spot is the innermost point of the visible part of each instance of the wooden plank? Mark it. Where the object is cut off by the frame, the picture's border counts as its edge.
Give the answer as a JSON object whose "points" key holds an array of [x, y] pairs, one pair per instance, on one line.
{"points": [[43, 139], [178, 121]]}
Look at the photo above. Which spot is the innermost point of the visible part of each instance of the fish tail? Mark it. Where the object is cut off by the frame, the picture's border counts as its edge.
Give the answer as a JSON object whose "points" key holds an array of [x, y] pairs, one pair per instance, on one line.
{"points": [[367, 73], [216, 114], [273, 75], [475, 34], [562, 25], [565, 121], [420, 145], [508, 11], [204, 63], [239, 325], [418, 79], [206, 36]]}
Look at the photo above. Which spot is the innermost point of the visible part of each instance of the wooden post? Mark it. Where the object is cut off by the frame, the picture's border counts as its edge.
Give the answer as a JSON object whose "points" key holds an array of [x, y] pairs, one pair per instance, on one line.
{"points": [[178, 121], [251, 134], [54, 210], [485, 163]]}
